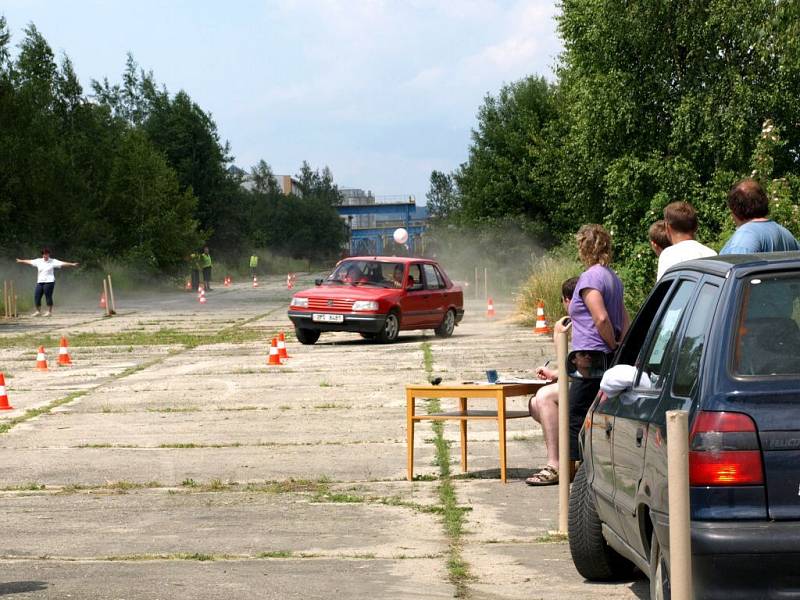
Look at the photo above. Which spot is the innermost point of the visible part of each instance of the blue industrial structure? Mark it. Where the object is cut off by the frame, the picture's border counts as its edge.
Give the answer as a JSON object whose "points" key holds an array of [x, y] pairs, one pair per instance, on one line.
{"points": [[373, 235]]}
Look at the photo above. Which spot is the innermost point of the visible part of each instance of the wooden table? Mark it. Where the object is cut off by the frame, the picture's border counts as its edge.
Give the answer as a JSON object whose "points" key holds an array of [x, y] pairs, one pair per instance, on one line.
{"points": [[499, 392]]}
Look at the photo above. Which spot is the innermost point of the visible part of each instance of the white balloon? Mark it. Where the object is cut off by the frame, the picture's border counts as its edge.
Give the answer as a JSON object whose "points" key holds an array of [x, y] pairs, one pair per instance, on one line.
{"points": [[400, 235]]}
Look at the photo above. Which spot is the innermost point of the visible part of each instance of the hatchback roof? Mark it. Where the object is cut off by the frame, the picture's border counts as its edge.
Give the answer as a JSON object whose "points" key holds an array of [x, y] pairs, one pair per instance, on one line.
{"points": [[721, 265], [400, 259]]}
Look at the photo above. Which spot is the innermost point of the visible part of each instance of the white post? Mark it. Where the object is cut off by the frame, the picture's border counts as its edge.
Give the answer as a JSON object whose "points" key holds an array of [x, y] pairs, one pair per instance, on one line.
{"points": [[564, 463], [111, 303], [680, 538], [476, 283], [485, 284], [105, 296]]}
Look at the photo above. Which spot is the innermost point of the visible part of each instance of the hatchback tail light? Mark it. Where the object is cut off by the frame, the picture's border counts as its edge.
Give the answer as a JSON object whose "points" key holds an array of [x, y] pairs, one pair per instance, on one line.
{"points": [[724, 450]]}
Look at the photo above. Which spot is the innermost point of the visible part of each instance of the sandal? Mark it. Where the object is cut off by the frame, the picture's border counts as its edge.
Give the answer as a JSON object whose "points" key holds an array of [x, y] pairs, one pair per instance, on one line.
{"points": [[546, 476]]}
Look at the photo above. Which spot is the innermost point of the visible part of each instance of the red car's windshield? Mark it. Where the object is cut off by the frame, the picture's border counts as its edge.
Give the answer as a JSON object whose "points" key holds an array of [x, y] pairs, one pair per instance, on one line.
{"points": [[368, 272]]}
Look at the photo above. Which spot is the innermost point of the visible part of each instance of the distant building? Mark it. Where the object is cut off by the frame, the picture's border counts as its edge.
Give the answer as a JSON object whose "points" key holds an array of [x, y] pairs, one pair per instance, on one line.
{"points": [[289, 186], [372, 221]]}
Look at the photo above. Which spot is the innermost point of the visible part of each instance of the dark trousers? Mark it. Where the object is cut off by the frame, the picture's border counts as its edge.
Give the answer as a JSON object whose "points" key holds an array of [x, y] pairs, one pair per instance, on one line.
{"points": [[581, 396], [207, 277], [45, 289], [195, 279]]}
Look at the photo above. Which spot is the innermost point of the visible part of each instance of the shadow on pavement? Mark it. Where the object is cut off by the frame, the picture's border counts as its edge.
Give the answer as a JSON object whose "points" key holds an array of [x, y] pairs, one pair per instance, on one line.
{"points": [[402, 339], [21, 587]]}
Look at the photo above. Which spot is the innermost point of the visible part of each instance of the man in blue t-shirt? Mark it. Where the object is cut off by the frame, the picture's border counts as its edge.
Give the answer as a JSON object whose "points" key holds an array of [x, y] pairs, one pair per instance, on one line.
{"points": [[754, 231]]}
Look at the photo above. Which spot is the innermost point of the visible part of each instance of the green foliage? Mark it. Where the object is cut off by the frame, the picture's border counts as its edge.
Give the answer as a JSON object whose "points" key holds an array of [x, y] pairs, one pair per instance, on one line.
{"points": [[654, 102], [505, 173], [136, 175]]}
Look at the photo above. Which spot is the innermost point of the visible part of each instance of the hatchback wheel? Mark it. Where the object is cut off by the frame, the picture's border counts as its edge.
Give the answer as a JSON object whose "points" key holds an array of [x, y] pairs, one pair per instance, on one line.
{"points": [[593, 557], [660, 588], [391, 328], [448, 325], [307, 337]]}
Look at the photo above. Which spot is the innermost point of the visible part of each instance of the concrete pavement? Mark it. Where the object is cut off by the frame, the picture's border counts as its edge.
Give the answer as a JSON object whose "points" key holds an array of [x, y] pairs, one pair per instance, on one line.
{"points": [[172, 462]]}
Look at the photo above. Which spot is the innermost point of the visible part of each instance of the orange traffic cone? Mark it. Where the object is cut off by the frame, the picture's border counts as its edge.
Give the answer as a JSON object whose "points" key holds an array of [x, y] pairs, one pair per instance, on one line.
{"points": [[274, 359], [4, 405], [541, 327], [490, 309], [63, 354], [41, 360], [289, 281], [188, 285], [282, 346], [102, 300], [255, 281]]}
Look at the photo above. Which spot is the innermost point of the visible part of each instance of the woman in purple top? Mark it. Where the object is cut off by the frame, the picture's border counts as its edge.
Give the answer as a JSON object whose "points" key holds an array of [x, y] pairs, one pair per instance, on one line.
{"points": [[599, 321]]}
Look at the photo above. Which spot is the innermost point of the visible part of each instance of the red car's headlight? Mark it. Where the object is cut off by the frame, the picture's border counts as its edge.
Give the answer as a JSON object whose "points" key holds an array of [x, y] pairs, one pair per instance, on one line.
{"points": [[299, 302], [362, 305]]}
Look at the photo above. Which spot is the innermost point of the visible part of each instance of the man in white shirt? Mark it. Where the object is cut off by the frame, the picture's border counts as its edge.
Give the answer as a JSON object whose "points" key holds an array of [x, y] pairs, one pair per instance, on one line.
{"points": [[681, 221], [46, 280]]}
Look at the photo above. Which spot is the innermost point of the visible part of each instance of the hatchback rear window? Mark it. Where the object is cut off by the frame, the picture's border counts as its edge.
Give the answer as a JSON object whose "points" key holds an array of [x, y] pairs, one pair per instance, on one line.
{"points": [[768, 334]]}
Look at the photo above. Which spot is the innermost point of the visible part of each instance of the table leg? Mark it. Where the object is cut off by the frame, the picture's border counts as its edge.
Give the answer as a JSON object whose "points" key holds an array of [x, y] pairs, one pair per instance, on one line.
{"points": [[501, 424], [462, 405], [410, 433]]}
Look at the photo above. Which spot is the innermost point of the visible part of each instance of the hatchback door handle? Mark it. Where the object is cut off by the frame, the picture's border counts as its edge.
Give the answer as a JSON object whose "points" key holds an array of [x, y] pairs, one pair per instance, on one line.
{"points": [[639, 437], [609, 427]]}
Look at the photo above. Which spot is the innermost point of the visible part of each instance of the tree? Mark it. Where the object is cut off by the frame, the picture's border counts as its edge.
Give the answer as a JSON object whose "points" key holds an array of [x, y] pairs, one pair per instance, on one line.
{"points": [[504, 174], [442, 197], [264, 181]]}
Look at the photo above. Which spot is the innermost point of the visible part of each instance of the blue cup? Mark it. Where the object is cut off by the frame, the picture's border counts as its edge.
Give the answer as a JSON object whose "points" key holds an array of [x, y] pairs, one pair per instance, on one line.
{"points": [[491, 376]]}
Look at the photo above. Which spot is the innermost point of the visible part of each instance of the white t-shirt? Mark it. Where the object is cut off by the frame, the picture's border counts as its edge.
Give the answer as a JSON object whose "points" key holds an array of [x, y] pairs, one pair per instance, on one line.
{"points": [[46, 274], [680, 252]]}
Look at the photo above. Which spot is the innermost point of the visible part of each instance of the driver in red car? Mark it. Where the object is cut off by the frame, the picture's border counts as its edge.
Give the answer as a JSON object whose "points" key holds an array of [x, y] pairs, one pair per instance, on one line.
{"points": [[397, 276], [354, 275]]}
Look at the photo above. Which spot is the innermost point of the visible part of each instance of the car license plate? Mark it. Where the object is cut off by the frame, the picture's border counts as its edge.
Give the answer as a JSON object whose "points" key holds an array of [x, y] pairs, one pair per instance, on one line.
{"points": [[327, 318]]}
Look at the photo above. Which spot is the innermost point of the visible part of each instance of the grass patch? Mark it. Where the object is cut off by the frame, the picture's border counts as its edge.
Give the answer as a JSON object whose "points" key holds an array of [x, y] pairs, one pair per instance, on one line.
{"points": [[173, 410], [452, 514], [194, 445], [198, 556], [330, 405], [235, 334], [24, 487], [276, 554], [552, 538], [32, 413], [292, 486], [124, 486], [338, 498]]}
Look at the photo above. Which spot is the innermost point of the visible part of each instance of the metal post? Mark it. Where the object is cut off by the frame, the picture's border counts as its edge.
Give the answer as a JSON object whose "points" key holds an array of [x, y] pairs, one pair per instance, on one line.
{"points": [[485, 283], [564, 466], [476, 283], [680, 540], [5, 299]]}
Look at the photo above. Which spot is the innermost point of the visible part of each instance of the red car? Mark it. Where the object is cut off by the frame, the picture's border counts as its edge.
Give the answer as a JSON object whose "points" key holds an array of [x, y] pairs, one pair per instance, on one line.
{"points": [[378, 296]]}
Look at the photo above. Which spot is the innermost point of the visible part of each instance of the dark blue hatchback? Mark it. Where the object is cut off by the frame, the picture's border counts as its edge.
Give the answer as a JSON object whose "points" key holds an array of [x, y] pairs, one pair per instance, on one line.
{"points": [[719, 338]]}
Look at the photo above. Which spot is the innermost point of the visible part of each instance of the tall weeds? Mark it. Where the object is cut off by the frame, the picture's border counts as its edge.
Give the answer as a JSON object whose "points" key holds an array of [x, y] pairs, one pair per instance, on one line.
{"points": [[544, 283]]}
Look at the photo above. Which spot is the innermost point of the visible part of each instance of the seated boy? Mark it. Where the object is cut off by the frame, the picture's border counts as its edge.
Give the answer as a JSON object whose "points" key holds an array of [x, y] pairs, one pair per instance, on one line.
{"points": [[543, 407]]}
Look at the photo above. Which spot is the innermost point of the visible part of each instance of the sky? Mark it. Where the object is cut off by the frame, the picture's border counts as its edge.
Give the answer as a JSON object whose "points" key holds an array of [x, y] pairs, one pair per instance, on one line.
{"points": [[381, 91]]}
